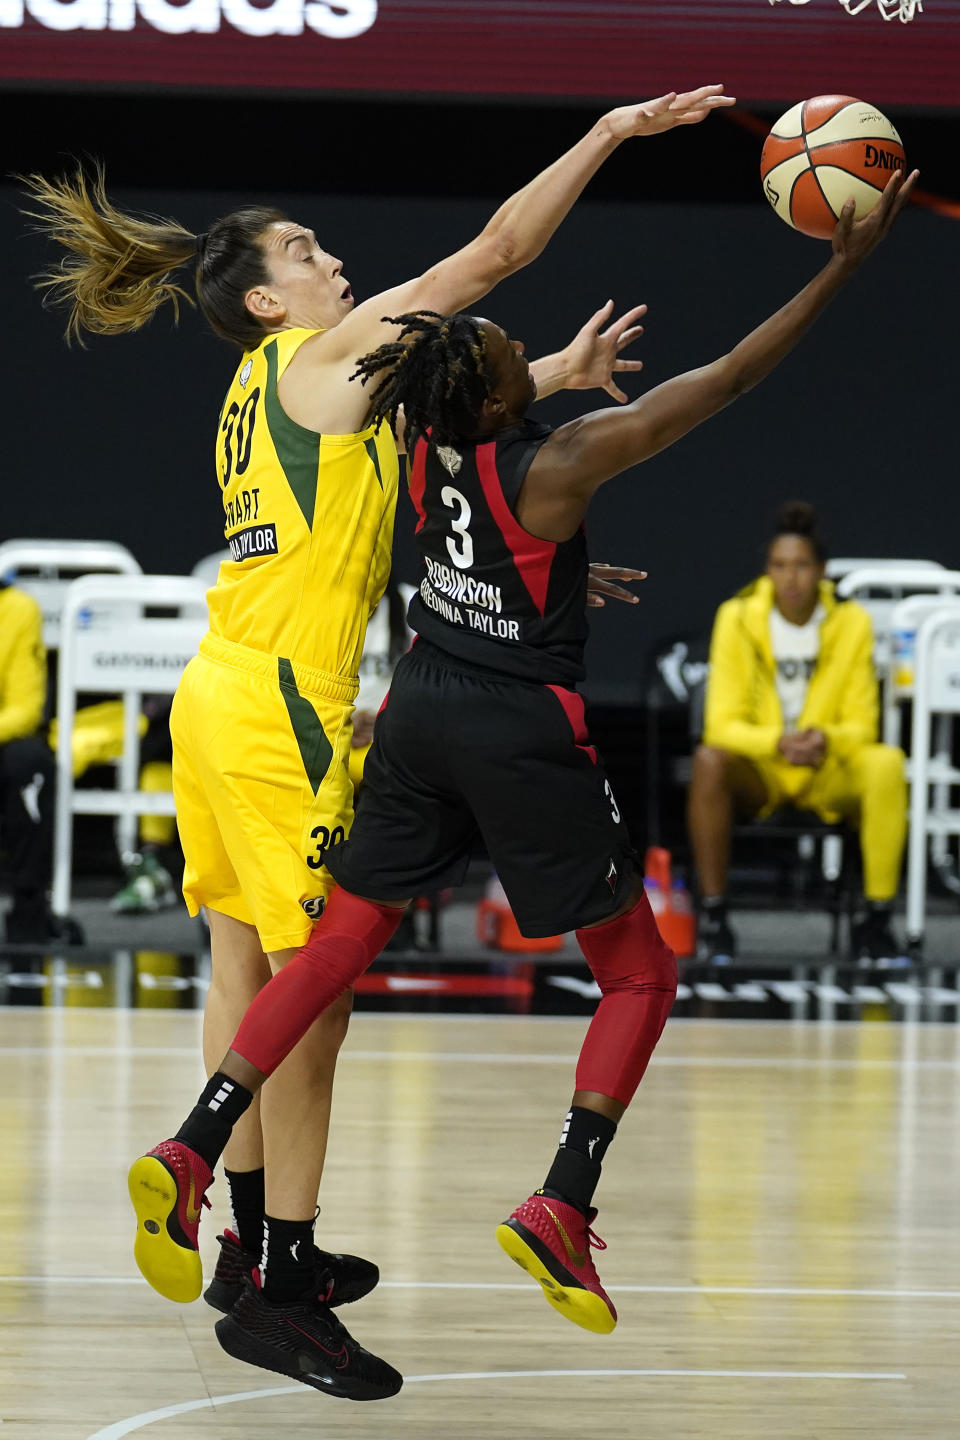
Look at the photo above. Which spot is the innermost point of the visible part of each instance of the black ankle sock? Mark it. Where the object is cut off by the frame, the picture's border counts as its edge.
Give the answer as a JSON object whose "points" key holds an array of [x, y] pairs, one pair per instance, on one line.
{"points": [[288, 1264], [209, 1125], [714, 906], [247, 1204], [575, 1171]]}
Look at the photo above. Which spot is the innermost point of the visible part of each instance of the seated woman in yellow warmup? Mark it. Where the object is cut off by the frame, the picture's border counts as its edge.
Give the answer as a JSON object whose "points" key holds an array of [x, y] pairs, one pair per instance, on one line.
{"points": [[791, 719]]}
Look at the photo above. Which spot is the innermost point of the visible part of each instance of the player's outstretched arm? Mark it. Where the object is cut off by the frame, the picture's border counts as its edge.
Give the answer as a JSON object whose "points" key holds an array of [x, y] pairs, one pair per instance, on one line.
{"points": [[580, 456], [520, 229]]}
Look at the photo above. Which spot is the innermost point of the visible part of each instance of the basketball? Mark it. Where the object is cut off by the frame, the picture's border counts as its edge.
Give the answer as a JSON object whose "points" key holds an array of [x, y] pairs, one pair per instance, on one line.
{"points": [[820, 153]]}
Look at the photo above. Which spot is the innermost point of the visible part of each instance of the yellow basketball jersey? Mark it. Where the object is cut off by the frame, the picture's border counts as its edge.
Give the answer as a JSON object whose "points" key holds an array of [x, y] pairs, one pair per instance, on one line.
{"points": [[309, 522]]}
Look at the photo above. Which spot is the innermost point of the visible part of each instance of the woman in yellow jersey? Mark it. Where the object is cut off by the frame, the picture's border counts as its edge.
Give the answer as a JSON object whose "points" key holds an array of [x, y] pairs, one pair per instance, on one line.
{"points": [[261, 722]]}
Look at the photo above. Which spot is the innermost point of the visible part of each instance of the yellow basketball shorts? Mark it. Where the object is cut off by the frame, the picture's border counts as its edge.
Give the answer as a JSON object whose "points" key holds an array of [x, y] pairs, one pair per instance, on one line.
{"points": [[260, 781]]}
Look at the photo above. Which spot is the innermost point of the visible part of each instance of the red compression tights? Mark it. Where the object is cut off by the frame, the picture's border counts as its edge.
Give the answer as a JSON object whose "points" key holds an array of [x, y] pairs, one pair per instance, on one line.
{"points": [[345, 941], [637, 974]]}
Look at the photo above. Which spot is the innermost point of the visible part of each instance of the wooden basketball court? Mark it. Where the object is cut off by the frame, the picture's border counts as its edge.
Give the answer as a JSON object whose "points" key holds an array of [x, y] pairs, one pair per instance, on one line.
{"points": [[780, 1209]]}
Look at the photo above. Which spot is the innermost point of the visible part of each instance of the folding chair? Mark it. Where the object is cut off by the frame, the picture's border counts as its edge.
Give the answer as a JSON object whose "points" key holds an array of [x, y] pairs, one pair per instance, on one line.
{"points": [[936, 693], [44, 569], [811, 837], [878, 588], [110, 643], [843, 564], [905, 619]]}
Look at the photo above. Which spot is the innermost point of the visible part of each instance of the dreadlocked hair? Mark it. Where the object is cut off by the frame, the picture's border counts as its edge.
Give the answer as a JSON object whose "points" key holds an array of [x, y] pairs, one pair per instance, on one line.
{"points": [[117, 271], [435, 370]]}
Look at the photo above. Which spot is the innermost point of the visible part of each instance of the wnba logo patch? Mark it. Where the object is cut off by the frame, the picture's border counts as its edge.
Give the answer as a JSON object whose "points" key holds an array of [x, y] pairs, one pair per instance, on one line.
{"points": [[313, 906]]}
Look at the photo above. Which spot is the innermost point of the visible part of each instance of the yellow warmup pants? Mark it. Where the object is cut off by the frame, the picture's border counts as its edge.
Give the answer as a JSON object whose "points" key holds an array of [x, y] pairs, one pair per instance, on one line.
{"points": [[868, 789], [97, 735], [97, 739], [157, 776]]}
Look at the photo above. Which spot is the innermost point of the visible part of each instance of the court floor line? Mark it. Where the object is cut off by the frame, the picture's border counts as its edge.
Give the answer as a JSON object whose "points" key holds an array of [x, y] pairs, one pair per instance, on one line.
{"points": [[495, 1057], [150, 1417], [788, 1291], [486, 1019]]}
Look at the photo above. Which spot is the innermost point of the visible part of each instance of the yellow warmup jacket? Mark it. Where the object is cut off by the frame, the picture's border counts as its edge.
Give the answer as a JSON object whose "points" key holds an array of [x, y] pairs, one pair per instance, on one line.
{"points": [[23, 665], [742, 712]]}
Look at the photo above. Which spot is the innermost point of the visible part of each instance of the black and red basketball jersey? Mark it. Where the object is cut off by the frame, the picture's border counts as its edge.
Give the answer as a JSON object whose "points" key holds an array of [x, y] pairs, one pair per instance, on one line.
{"points": [[490, 592]]}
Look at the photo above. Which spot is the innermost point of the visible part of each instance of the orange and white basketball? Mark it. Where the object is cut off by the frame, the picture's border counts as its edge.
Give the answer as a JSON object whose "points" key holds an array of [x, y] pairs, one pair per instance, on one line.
{"points": [[820, 153]]}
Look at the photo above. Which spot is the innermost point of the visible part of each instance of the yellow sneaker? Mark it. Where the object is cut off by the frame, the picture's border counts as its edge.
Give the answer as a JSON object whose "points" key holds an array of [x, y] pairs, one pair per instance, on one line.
{"points": [[168, 1189], [552, 1240]]}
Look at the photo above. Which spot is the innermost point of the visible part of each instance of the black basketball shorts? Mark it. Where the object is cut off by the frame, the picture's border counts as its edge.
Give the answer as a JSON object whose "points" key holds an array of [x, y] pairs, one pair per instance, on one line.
{"points": [[459, 750]]}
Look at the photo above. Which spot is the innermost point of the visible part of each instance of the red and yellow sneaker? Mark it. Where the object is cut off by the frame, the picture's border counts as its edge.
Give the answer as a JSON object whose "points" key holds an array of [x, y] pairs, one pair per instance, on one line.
{"points": [[168, 1189], [552, 1240]]}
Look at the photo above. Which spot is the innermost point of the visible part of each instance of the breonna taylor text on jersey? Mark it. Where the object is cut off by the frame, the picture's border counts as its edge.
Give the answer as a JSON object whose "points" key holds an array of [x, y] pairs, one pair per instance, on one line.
{"points": [[490, 592]]}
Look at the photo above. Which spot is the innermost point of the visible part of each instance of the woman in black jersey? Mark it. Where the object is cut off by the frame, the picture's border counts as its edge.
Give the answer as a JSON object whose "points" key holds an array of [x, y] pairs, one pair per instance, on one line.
{"points": [[483, 730]]}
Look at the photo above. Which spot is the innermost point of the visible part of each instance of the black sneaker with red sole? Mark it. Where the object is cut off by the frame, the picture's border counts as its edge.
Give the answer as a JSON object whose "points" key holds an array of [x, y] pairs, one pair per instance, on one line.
{"points": [[305, 1341], [341, 1279]]}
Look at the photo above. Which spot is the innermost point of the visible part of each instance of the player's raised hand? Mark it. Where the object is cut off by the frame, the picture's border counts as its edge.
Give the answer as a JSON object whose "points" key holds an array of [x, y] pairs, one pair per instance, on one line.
{"points": [[593, 354], [651, 117], [854, 239]]}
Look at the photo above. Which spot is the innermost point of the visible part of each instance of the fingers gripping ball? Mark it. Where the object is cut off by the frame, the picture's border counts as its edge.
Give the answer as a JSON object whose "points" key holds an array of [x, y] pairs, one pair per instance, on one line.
{"points": [[820, 153]]}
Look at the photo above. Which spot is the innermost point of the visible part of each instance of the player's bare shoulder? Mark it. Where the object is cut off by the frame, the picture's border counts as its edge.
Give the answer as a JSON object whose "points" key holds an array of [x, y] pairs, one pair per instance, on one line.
{"points": [[563, 460], [315, 389]]}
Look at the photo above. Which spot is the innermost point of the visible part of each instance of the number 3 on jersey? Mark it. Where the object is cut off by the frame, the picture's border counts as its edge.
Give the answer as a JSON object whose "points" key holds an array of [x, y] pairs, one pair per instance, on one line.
{"points": [[461, 556], [614, 810]]}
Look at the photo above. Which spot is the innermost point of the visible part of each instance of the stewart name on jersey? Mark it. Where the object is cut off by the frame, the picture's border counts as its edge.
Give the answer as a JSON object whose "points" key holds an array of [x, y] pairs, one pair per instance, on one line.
{"points": [[490, 592]]}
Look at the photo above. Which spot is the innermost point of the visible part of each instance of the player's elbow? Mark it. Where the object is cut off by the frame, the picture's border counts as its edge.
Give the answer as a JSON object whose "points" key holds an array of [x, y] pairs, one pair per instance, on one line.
{"points": [[505, 254], [490, 259], [734, 378]]}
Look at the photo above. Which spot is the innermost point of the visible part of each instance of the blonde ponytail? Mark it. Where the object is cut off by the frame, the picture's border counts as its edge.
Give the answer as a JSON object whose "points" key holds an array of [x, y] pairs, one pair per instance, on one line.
{"points": [[116, 273]]}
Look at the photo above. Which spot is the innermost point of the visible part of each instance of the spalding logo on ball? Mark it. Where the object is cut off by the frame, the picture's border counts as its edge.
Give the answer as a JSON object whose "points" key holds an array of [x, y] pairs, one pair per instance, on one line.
{"points": [[820, 153]]}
